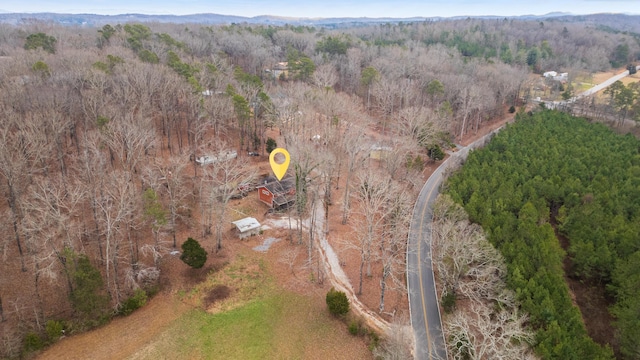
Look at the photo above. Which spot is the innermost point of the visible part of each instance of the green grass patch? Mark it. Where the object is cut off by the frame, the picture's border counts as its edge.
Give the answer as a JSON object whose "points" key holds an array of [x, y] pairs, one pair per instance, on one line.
{"points": [[282, 325], [582, 87], [242, 333], [258, 320]]}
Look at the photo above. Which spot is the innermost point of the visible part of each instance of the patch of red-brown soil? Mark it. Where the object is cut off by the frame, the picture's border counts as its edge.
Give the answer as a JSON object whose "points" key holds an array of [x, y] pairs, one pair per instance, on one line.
{"points": [[593, 304], [396, 299], [219, 292], [287, 262], [589, 297]]}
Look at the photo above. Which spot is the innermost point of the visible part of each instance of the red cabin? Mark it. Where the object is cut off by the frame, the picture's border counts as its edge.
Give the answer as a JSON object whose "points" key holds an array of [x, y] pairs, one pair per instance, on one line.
{"points": [[277, 194]]}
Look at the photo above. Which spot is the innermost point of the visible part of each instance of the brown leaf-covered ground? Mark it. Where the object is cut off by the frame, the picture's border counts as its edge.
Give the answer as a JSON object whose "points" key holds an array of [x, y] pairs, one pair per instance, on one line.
{"points": [[125, 337]]}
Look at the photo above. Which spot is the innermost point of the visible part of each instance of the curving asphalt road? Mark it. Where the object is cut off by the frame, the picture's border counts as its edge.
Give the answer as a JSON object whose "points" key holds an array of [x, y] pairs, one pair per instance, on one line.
{"points": [[423, 300]]}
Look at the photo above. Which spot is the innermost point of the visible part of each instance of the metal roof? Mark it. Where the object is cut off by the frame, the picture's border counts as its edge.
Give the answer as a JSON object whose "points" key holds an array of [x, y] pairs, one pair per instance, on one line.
{"points": [[246, 224]]}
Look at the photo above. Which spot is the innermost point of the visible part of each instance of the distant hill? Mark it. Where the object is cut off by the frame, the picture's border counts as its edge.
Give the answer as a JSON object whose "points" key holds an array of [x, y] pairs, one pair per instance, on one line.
{"points": [[100, 20], [616, 22]]}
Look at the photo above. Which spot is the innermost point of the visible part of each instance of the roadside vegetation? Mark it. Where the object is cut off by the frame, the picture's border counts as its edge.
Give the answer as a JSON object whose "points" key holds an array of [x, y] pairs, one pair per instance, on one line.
{"points": [[482, 317], [550, 171], [100, 129]]}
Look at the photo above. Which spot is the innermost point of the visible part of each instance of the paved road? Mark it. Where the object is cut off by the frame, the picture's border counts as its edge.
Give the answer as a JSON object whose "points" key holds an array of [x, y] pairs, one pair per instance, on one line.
{"points": [[605, 84], [591, 91], [423, 302]]}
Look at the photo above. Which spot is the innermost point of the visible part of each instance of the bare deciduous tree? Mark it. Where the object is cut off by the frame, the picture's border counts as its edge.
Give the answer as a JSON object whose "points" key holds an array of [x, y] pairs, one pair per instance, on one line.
{"points": [[470, 267], [467, 100], [452, 253], [373, 194], [288, 257], [115, 206], [305, 159], [386, 93], [420, 124], [397, 342], [485, 334], [51, 212], [131, 139], [14, 167], [170, 183], [325, 76], [58, 126], [355, 150], [219, 183], [391, 249]]}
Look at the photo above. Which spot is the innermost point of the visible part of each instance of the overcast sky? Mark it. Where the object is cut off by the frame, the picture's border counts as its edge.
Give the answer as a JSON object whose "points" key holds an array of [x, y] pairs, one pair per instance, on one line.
{"points": [[327, 8]]}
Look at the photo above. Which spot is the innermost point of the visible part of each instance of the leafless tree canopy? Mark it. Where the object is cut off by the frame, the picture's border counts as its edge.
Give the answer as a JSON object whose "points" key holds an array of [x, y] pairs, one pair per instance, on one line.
{"points": [[87, 129], [486, 323]]}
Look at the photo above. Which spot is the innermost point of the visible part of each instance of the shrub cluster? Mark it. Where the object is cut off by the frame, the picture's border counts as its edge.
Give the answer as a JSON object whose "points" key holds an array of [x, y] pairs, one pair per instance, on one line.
{"points": [[337, 302]]}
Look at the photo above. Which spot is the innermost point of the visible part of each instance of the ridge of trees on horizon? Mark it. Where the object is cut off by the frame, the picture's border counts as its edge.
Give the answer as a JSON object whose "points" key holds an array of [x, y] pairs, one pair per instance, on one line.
{"points": [[553, 167], [100, 127]]}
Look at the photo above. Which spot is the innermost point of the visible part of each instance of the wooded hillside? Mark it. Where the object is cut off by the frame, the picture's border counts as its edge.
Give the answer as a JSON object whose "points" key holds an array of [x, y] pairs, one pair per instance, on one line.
{"points": [[100, 128]]}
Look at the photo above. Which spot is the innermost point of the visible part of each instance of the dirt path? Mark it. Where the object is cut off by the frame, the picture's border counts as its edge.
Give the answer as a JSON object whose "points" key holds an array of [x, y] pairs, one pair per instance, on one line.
{"points": [[123, 337], [331, 262], [339, 279], [335, 273]]}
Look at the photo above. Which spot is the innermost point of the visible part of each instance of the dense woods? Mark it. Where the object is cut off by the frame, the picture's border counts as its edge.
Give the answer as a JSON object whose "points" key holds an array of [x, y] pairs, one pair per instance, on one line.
{"points": [[100, 127], [483, 319], [546, 170]]}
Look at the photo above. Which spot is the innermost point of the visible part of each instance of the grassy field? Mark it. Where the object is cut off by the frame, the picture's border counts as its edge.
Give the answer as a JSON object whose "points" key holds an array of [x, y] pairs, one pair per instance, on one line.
{"points": [[258, 320]]}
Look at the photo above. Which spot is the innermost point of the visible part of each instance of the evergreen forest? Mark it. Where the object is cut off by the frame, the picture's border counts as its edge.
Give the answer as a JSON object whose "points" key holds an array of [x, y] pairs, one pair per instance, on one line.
{"points": [[552, 172], [101, 129]]}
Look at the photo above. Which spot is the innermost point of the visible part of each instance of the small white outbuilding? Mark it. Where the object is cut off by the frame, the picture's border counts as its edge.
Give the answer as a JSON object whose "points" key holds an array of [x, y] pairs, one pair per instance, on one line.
{"points": [[247, 227]]}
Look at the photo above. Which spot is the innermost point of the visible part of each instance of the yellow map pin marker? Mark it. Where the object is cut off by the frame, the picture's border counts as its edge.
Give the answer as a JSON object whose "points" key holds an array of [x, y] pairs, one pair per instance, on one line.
{"points": [[279, 169]]}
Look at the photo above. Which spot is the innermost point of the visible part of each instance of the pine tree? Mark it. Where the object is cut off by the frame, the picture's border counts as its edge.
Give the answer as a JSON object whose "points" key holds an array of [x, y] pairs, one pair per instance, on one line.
{"points": [[193, 254]]}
